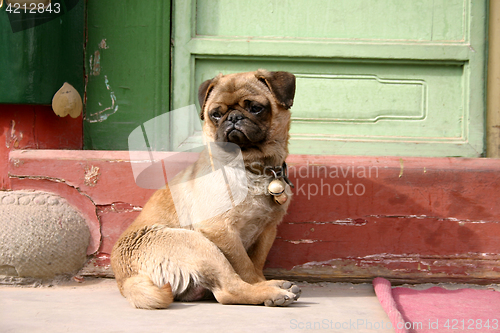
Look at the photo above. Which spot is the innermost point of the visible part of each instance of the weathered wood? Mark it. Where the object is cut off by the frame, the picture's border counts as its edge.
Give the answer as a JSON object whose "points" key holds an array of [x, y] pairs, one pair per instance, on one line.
{"points": [[351, 218]]}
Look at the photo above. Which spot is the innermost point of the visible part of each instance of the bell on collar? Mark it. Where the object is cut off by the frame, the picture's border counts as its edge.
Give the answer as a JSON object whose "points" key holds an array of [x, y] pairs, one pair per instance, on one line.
{"points": [[281, 199], [276, 187]]}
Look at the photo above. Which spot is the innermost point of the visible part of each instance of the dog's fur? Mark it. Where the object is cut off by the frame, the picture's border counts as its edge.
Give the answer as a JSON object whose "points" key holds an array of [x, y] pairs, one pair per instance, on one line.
{"points": [[156, 260]]}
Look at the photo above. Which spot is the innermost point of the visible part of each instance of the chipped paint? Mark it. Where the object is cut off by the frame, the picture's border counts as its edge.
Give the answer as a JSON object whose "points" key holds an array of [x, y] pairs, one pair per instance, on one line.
{"points": [[95, 59], [118, 207], [97, 266], [466, 267], [422, 217], [91, 176], [95, 64], [317, 263], [91, 63], [13, 140], [103, 45], [347, 222], [401, 167], [102, 115], [52, 179], [16, 162], [303, 241], [351, 222]]}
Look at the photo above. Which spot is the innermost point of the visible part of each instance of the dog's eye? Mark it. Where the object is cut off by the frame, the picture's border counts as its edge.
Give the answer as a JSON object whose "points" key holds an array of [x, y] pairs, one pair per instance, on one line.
{"points": [[216, 115], [256, 108]]}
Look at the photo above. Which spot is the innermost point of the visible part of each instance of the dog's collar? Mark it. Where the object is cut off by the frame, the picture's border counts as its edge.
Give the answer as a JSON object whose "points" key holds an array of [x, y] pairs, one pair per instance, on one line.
{"points": [[277, 186], [278, 172]]}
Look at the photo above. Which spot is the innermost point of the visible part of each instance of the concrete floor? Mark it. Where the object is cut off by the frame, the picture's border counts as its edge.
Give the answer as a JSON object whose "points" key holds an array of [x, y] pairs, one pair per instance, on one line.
{"points": [[97, 306]]}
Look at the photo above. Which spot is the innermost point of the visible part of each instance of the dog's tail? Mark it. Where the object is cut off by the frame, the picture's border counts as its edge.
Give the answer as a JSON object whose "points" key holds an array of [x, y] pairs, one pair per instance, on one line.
{"points": [[142, 293]]}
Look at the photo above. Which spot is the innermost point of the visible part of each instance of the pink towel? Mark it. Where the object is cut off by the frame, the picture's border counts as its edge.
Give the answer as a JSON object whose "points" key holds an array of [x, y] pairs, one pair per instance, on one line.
{"points": [[437, 309], [384, 294]]}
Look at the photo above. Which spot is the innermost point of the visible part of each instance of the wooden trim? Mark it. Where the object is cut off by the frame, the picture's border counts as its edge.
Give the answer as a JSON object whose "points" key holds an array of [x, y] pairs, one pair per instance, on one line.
{"points": [[493, 90]]}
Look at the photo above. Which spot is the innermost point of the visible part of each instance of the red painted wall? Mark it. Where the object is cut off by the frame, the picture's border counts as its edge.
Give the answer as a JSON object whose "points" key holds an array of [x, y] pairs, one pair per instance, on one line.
{"points": [[413, 219], [34, 127], [352, 218]]}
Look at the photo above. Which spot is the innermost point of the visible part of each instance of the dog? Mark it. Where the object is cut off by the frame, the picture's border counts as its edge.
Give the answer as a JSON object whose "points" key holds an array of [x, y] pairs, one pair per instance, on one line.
{"points": [[159, 259]]}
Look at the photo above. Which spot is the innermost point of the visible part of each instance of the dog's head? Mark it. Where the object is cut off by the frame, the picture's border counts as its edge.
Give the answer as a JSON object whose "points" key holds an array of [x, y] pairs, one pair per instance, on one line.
{"points": [[250, 110]]}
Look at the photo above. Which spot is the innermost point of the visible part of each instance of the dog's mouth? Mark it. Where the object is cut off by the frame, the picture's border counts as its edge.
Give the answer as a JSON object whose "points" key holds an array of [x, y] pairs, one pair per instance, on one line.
{"points": [[237, 136], [242, 133], [240, 138]]}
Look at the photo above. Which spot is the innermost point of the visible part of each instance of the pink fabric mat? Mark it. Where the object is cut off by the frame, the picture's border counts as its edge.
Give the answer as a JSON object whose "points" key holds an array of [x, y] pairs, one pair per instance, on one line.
{"points": [[439, 310]]}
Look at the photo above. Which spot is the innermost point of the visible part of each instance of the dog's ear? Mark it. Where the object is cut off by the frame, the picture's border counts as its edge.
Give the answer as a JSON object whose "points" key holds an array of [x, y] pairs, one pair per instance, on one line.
{"points": [[281, 84], [203, 93]]}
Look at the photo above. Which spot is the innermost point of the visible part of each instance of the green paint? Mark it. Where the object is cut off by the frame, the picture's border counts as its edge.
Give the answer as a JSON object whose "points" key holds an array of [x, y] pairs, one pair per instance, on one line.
{"points": [[388, 78], [35, 62], [127, 64], [424, 20]]}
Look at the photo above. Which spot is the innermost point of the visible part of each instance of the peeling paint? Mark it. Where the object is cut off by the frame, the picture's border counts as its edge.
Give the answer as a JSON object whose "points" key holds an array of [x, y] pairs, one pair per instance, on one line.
{"points": [[98, 266], [317, 263], [91, 63], [102, 115], [401, 167], [91, 176], [467, 267], [347, 222], [102, 44], [302, 241], [95, 59], [118, 207], [351, 222], [13, 140], [421, 217], [16, 162], [95, 64], [52, 179]]}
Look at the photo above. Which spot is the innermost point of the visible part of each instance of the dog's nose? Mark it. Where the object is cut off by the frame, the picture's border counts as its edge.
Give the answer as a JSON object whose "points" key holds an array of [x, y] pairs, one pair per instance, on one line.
{"points": [[235, 116]]}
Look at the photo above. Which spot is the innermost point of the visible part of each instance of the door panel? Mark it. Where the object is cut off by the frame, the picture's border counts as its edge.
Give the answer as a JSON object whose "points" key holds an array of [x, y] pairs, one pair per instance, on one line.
{"points": [[426, 20], [397, 78], [127, 65]]}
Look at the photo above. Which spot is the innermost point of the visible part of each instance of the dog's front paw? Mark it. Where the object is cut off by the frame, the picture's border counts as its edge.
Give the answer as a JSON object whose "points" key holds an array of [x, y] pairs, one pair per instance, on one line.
{"points": [[281, 298], [286, 285], [288, 293], [293, 288]]}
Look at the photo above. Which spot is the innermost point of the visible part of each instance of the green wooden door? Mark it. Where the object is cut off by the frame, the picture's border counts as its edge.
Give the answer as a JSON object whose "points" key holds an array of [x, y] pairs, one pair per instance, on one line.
{"points": [[374, 77], [127, 67], [40, 50]]}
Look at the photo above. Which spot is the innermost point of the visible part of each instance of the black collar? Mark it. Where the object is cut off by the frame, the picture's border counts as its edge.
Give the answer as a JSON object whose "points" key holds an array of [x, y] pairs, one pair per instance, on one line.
{"points": [[278, 172]]}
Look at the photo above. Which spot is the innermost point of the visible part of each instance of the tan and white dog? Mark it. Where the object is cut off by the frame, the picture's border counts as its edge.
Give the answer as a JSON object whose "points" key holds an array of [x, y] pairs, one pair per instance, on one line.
{"points": [[158, 259]]}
